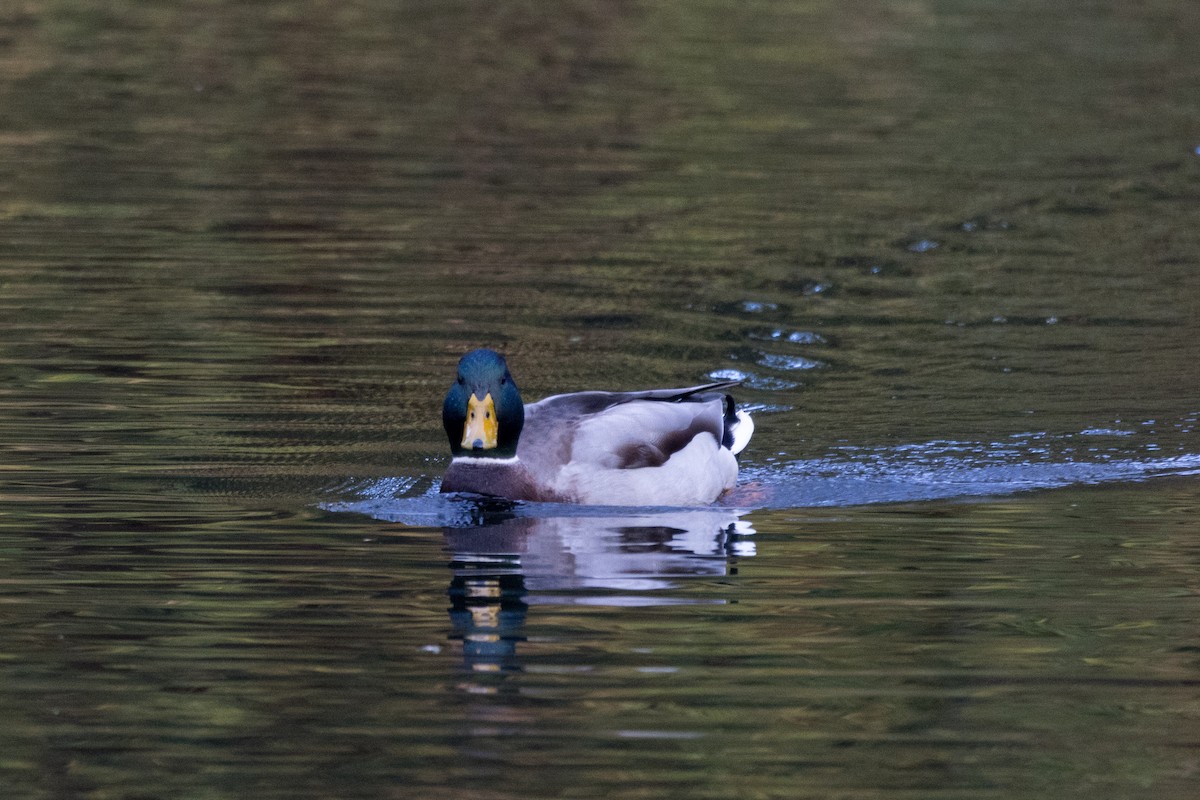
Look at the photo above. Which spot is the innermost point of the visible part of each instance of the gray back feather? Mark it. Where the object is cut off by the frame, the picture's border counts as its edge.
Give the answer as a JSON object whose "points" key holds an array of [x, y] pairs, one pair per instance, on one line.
{"points": [[619, 430]]}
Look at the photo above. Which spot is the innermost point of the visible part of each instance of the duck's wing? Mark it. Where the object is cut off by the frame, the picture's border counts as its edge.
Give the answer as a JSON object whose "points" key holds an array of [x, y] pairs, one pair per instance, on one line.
{"points": [[690, 394], [624, 430], [576, 405]]}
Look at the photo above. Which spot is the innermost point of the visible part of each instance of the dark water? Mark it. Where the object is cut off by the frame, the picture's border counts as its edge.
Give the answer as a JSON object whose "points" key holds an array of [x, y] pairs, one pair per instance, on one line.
{"points": [[951, 247]]}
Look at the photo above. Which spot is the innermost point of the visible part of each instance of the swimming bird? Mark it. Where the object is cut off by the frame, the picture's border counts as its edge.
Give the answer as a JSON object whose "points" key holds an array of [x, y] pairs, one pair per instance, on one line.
{"points": [[663, 447]]}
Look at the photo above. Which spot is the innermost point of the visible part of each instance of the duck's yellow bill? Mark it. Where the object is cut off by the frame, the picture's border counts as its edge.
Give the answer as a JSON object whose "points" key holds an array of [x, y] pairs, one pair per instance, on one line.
{"points": [[481, 429]]}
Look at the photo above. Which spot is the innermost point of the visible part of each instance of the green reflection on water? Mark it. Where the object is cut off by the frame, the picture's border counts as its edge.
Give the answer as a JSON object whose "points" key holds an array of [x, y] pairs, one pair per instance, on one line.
{"points": [[1020, 646], [243, 245]]}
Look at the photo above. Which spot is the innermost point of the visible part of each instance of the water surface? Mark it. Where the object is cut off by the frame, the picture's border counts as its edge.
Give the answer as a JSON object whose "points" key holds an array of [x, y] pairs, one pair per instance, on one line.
{"points": [[950, 248]]}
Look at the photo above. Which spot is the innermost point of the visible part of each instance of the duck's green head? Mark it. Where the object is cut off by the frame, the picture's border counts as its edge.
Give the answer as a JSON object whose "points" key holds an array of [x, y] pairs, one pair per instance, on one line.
{"points": [[483, 413]]}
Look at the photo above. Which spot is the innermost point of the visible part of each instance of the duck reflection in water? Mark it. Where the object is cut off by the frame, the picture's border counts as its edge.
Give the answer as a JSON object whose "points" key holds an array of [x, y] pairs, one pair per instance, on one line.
{"points": [[502, 567]]}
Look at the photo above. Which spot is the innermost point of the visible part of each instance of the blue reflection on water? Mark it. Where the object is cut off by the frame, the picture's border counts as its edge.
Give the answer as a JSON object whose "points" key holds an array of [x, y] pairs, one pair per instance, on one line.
{"points": [[506, 557], [575, 548], [850, 475]]}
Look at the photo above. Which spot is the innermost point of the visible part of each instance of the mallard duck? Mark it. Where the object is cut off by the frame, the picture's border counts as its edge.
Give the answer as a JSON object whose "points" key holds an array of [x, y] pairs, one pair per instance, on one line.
{"points": [[664, 447]]}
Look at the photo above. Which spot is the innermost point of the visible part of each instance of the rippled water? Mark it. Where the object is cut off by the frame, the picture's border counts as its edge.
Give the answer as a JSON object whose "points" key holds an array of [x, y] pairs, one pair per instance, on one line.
{"points": [[950, 248]]}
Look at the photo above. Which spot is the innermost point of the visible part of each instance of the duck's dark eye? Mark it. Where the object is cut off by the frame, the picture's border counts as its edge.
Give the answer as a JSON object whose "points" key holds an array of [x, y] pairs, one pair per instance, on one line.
{"points": [[504, 380], [461, 380]]}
